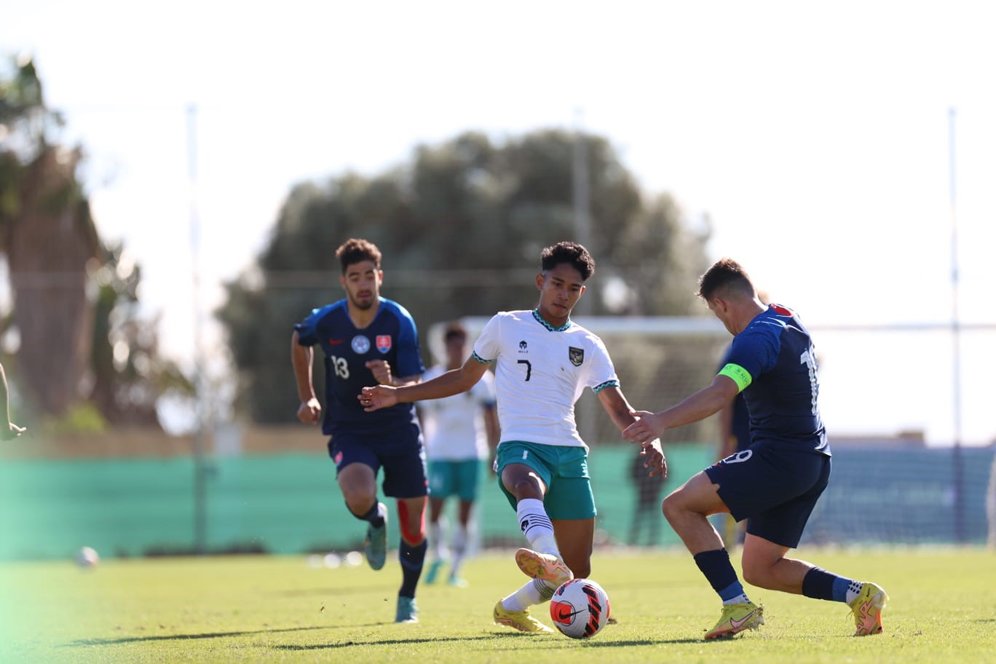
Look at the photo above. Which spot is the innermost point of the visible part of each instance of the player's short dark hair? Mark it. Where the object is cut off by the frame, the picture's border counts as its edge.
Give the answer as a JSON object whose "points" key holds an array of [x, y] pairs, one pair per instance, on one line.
{"points": [[355, 250], [725, 275], [571, 253], [453, 331]]}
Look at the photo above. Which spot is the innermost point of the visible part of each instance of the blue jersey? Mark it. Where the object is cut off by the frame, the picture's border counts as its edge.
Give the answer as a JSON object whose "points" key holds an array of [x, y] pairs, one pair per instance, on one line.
{"points": [[391, 337], [774, 363], [740, 418]]}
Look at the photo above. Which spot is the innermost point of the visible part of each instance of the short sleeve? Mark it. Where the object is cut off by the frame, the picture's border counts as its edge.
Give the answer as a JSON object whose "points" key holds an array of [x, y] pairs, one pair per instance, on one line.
{"points": [[306, 329], [488, 344], [409, 359], [602, 373], [755, 350]]}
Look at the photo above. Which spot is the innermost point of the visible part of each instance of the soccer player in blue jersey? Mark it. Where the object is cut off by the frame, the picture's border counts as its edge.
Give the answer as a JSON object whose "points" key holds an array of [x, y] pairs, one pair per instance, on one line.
{"points": [[369, 340], [776, 481]]}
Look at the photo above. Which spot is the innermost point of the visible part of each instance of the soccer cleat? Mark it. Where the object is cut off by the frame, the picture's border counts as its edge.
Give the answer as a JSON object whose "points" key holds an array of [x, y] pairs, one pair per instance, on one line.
{"points": [[737, 618], [407, 610], [433, 573], [543, 566], [375, 545], [867, 608], [520, 620]]}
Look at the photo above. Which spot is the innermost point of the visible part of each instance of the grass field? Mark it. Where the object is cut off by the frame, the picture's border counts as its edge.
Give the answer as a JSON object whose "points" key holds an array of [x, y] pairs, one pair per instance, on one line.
{"points": [[942, 609]]}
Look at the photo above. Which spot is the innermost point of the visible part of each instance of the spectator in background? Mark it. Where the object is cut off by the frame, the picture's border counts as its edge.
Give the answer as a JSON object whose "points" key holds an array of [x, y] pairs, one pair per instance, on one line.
{"points": [[648, 500], [991, 505], [459, 433], [11, 430]]}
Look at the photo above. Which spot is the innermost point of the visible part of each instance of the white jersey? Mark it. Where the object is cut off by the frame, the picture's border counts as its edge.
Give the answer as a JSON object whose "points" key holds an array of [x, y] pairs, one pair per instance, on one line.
{"points": [[454, 426], [540, 372]]}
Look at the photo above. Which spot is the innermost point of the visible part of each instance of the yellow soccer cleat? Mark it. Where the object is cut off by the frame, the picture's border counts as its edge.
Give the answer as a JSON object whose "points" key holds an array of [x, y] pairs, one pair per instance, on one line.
{"points": [[543, 566], [520, 620], [737, 618], [867, 608]]}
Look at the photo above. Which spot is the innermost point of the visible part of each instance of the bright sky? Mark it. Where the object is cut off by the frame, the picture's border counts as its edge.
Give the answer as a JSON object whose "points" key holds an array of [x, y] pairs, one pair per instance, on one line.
{"points": [[815, 135]]}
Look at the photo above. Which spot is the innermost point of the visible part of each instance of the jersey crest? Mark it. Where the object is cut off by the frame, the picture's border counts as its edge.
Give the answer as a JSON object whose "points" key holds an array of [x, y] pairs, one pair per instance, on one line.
{"points": [[383, 342], [576, 355], [360, 344]]}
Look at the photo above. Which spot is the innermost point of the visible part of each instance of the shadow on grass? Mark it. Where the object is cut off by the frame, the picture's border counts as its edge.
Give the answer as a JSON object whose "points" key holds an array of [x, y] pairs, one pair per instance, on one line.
{"points": [[549, 645], [396, 642], [183, 637]]}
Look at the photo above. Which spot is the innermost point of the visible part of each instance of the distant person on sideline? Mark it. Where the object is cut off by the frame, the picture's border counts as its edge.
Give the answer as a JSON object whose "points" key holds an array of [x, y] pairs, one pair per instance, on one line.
{"points": [[543, 361], [368, 339], [775, 482], [11, 430], [460, 432]]}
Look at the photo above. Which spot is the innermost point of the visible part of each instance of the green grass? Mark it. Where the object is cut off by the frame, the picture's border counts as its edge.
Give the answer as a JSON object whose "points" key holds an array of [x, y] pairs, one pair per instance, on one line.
{"points": [[244, 609]]}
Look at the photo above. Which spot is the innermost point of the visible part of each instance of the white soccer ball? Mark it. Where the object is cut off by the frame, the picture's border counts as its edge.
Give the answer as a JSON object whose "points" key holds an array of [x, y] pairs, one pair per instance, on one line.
{"points": [[87, 557], [580, 608]]}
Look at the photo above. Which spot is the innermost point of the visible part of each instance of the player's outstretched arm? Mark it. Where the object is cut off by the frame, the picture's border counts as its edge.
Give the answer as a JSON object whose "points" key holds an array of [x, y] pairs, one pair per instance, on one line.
{"points": [[450, 383], [698, 406], [623, 415]]}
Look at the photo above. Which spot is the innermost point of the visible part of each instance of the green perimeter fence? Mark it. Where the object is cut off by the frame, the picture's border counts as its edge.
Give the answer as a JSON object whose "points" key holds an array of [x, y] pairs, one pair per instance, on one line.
{"points": [[290, 503]]}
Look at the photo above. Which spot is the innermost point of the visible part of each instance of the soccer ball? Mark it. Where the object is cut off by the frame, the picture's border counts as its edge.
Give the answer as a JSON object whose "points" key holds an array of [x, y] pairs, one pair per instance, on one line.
{"points": [[87, 557], [580, 608]]}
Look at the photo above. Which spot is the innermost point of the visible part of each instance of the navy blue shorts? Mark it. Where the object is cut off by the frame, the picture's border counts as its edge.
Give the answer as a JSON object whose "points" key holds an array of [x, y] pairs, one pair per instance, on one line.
{"points": [[774, 488], [399, 451]]}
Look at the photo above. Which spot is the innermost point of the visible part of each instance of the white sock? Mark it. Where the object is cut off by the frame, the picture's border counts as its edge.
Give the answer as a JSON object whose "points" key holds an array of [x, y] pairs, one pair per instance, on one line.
{"points": [[536, 526], [458, 548], [435, 536], [853, 590], [739, 599], [535, 591]]}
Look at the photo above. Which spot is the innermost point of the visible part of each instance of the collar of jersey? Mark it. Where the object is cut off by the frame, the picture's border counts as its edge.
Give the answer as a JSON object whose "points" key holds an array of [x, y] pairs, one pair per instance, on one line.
{"points": [[539, 319]]}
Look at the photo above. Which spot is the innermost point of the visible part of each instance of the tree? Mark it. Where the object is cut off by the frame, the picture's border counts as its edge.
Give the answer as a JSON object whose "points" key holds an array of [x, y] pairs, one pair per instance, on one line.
{"points": [[461, 228], [64, 314]]}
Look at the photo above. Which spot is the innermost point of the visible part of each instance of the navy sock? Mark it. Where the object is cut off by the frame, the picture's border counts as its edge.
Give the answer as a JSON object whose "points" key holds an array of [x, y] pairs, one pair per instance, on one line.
{"points": [[373, 516], [718, 570], [821, 584], [412, 558]]}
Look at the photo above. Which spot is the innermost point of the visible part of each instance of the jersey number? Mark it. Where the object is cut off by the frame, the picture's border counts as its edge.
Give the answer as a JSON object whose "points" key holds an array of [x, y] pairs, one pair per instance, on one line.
{"points": [[529, 368], [340, 366], [809, 360]]}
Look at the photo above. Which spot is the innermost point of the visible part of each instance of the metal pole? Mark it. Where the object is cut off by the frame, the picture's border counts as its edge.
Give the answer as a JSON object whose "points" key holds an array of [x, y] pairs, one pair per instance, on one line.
{"points": [[586, 415], [200, 467], [958, 462]]}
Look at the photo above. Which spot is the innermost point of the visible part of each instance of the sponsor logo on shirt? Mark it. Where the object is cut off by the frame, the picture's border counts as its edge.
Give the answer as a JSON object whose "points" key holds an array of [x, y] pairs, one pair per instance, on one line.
{"points": [[360, 344], [383, 342], [576, 355], [336, 342], [523, 346]]}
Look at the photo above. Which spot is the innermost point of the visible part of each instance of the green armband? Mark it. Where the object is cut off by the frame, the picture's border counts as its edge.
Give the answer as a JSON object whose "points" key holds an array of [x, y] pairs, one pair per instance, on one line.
{"points": [[737, 374]]}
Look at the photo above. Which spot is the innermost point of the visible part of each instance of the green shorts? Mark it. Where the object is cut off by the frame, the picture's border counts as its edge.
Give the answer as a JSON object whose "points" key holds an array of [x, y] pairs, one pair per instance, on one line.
{"points": [[564, 470], [454, 478]]}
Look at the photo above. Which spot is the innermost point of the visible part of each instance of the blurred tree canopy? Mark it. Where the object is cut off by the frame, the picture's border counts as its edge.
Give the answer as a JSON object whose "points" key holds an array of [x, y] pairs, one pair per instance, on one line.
{"points": [[80, 340], [461, 228]]}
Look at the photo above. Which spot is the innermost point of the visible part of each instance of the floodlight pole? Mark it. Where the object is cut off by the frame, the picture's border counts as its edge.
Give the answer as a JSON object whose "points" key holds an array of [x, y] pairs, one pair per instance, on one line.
{"points": [[200, 465], [959, 490]]}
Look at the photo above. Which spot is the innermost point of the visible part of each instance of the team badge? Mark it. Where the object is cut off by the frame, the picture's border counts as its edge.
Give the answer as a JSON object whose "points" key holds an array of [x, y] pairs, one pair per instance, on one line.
{"points": [[576, 355], [383, 342], [360, 344]]}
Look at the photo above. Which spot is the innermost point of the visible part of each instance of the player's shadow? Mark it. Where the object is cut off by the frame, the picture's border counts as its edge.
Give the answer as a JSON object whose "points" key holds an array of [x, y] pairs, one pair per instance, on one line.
{"points": [[183, 637], [390, 642]]}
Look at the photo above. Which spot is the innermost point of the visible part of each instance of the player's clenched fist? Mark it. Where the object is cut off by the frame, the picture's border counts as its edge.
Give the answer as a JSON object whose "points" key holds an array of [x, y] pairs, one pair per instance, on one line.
{"points": [[309, 411], [377, 397]]}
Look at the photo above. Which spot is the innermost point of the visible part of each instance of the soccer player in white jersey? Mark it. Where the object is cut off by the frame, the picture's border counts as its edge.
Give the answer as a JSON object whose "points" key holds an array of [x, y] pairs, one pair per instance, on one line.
{"points": [[460, 432], [543, 361]]}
